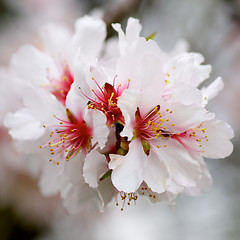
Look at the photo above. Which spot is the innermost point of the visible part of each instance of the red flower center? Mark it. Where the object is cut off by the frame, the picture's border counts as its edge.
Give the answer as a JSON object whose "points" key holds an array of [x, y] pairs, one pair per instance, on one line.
{"points": [[60, 87], [106, 99], [69, 137], [149, 126]]}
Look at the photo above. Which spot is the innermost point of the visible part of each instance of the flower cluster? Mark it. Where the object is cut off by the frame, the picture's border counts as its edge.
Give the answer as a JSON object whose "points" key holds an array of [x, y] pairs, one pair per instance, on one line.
{"points": [[117, 118]]}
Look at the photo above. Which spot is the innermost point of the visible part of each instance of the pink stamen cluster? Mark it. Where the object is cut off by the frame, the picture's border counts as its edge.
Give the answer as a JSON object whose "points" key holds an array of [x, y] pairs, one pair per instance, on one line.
{"points": [[61, 86], [148, 127], [69, 137], [106, 100]]}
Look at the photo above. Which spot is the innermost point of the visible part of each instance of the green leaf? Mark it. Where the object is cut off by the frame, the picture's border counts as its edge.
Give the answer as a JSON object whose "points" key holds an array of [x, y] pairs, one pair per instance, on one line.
{"points": [[105, 175], [70, 116], [151, 36], [146, 146]]}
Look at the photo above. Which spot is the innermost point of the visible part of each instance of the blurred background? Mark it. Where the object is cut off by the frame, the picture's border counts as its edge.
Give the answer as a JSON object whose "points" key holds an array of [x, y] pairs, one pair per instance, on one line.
{"points": [[211, 28]]}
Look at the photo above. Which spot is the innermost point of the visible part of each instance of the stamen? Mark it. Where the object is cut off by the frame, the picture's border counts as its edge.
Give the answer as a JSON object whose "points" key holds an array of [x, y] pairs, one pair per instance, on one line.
{"points": [[74, 136]]}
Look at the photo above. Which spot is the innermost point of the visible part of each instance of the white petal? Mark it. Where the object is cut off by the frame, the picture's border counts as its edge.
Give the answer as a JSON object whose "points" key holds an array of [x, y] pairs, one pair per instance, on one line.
{"points": [[43, 105], [186, 94], [218, 134], [127, 170], [74, 168], [23, 126], [32, 65], [182, 168], [204, 183], [106, 192], [166, 196], [81, 197], [94, 167], [122, 39], [100, 129], [213, 89], [187, 68], [75, 101], [76, 193], [174, 188], [133, 30], [141, 64], [128, 103], [49, 180], [89, 37], [155, 173], [55, 39], [183, 117]]}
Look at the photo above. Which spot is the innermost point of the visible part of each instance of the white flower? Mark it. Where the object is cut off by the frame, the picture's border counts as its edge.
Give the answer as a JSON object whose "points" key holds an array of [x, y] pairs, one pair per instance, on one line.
{"points": [[167, 126], [49, 106], [135, 126]]}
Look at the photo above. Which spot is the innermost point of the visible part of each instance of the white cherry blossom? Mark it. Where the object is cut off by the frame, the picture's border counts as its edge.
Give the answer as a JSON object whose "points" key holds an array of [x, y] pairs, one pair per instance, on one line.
{"points": [[117, 125]]}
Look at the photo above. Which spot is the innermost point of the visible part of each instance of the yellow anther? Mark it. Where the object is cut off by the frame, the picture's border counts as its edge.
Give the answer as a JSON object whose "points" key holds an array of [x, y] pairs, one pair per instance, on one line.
{"points": [[167, 82], [158, 146]]}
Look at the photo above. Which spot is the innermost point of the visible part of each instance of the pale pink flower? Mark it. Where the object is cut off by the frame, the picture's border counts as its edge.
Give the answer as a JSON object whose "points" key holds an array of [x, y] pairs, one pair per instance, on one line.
{"points": [[135, 126], [167, 126]]}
